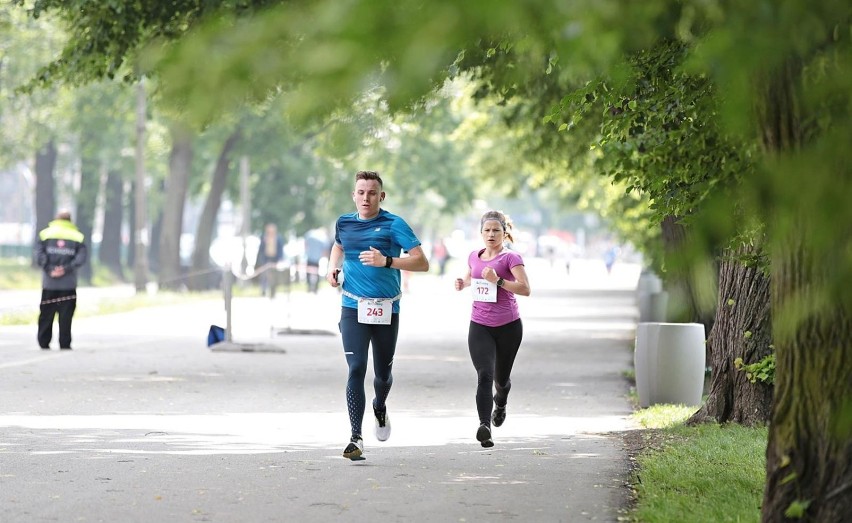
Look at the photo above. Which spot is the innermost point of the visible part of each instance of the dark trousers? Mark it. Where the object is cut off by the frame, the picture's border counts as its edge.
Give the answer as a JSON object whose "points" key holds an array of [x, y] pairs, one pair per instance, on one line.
{"points": [[493, 351], [53, 302], [312, 275]]}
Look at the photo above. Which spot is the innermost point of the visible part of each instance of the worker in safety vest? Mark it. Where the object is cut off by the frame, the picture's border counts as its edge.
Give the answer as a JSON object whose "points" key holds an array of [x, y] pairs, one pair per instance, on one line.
{"points": [[60, 252]]}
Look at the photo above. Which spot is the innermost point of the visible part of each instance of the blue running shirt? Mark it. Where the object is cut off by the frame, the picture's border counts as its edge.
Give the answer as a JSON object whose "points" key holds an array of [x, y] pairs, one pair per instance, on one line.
{"points": [[386, 232]]}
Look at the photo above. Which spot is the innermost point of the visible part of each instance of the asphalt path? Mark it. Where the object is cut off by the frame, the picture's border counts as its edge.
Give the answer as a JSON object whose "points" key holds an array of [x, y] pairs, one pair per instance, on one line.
{"points": [[143, 422]]}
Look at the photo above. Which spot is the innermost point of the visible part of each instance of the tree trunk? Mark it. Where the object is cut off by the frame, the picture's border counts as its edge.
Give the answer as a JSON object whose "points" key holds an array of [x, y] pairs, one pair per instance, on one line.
{"points": [[45, 188], [204, 236], [87, 199], [180, 164], [131, 226], [809, 454], [808, 458], [156, 233], [687, 301], [110, 251], [742, 329]]}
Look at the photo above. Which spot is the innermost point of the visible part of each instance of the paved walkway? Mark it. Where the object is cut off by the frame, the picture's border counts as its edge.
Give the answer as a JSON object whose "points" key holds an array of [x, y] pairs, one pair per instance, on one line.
{"points": [[142, 422]]}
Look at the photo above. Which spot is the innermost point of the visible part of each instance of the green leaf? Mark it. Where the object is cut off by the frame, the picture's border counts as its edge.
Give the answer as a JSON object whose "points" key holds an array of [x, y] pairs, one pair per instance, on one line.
{"points": [[788, 478], [797, 509]]}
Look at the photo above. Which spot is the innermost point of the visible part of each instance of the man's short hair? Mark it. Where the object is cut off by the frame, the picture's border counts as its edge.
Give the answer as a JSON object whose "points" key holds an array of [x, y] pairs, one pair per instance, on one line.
{"points": [[369, 175]]}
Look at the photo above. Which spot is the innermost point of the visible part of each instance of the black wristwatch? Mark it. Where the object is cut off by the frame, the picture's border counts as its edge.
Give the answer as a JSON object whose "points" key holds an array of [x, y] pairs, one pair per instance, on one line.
{"points": [[500, 282], [388, 261]]}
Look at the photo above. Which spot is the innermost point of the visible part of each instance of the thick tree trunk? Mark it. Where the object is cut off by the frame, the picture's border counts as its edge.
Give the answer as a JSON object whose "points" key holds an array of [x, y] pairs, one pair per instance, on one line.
{"points": [[809, 458], [87, 199], [204, 236], [809, 454], [180, 167], [110, 251], [687, 301], [742, 329], [45, 188]]}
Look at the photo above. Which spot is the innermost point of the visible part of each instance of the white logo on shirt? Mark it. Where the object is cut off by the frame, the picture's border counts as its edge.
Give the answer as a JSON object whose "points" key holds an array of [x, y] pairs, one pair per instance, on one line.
{"points": [[377, 229]]}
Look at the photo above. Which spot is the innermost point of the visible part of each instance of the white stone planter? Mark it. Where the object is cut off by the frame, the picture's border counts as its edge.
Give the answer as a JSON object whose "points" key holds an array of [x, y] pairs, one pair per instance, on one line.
{"points": [[659, 302], [647, 285], [669, 363]]}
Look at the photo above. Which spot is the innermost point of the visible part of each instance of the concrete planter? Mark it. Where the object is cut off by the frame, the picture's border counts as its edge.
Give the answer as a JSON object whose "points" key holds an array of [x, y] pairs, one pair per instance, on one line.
{"points": [[651, 299], [669, 363], [648, 285]]}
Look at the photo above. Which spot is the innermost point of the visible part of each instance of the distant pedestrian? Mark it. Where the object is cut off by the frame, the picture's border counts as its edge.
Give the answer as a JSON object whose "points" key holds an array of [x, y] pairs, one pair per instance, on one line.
{"points": [[369, 243], [495, 275], [60, 252], [441, 255], [316, 248], [270, 252], [610, 256]]}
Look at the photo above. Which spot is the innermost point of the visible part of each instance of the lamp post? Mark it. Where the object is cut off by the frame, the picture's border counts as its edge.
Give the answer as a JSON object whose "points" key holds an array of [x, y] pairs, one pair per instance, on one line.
{"points": [[140, 266]]}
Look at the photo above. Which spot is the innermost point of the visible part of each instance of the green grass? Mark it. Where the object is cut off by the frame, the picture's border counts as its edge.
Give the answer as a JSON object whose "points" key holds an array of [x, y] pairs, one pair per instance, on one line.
{"points": [[16, 273], [705, 473], [113, 305]]}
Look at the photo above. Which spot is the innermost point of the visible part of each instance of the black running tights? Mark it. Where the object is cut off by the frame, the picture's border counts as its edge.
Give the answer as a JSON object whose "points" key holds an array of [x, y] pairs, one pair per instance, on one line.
{"points": [[493, 351], [357, 338]]}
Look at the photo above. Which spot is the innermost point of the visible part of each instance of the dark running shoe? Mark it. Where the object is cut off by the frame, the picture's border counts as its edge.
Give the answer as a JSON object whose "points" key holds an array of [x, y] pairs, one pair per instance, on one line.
{"points": [[483, 436], [498, 416], [383, 426], [355, 448]]}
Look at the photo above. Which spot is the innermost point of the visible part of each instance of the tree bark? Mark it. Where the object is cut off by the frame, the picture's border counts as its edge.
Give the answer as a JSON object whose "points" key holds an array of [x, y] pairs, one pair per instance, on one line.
{"points": [[131, 225], [156, 232], [87, 199], [45, 188], [808, 458], [180, 167], [204, 236], [686, 302], [743, 308], [110, 251], [809, 453]]}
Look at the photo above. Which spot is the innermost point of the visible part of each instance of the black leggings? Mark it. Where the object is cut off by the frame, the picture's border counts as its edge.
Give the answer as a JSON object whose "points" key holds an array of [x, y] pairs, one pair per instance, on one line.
{"points": [[493, 351], [356, 342]]}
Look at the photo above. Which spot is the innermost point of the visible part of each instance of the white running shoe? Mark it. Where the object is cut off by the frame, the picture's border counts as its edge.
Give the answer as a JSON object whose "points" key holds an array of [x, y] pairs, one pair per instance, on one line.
{"points": [[383, 426]]}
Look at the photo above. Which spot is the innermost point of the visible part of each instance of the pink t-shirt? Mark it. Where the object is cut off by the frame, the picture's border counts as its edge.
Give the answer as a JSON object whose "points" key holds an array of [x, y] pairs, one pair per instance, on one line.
{"points": [[505, 309]]}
